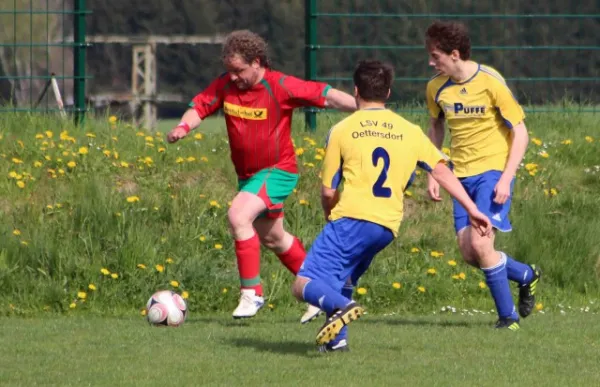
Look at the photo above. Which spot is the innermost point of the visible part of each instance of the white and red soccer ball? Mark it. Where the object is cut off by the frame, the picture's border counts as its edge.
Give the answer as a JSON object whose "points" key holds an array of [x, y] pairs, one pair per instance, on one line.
{"points": [[166, 308]]}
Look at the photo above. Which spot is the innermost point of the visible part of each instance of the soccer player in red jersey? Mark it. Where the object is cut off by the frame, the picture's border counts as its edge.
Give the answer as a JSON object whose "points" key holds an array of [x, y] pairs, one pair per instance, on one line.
{"points": [[258, 103]]}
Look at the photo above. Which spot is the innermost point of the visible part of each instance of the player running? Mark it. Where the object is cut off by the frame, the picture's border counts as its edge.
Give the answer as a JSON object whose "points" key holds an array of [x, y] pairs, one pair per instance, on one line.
{"points": [[374, 151], [258, 103], [488, 142]]}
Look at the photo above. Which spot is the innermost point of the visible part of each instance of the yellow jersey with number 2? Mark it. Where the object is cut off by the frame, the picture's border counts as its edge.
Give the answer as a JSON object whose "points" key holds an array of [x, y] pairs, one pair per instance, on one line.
{"points": [[374, 152]]}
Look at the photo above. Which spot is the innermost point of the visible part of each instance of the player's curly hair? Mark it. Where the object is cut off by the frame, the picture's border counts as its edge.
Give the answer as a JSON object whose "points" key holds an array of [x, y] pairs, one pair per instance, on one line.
{"points": [[373, 79], [248, 45], [447, 36]]}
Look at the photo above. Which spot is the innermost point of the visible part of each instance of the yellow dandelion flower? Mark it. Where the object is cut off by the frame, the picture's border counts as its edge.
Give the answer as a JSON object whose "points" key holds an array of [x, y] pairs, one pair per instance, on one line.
{"points": [[162, 149], [82, 295], [141, 266], [198, 136], [83, 150], [299, 151], [148, 160], [415, 250], [104, 271], [567, 142], [539, 306], [20, 184], [462, 275], [218, 246], [24, 243], [452, 262], [318, 157], [553, 191], [71, 164], [114, 276], [180, 160], [37, 164], [174, 284], [169, 261], [143, 312], [132, 199], [124, 164], [204, 159], [482, 285], [224, 290], [544, 154], [455, 276], [310, 165], [65, 153], [16, 232], [13, 174], [202, 238], [396, 285], [39, 136], [536, 141], [112, 119], [90, 135], [159, 268], [421, 289], [271, 306], [589, 139], [431, 271], [361, 291], [92, 287], [48, 134], [436, 254], [185, 295], [149, 139], [17, 161], [214, 203], [72, 305]]}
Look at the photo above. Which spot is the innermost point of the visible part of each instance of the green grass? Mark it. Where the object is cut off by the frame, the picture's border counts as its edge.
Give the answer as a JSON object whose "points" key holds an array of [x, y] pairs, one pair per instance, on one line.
{"points": [[67, 225], [274, 350]]}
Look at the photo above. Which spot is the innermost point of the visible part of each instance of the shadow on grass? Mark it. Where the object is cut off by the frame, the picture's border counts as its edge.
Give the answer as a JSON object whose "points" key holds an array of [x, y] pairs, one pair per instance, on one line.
{"points": [[280, 347], [423, 322]]}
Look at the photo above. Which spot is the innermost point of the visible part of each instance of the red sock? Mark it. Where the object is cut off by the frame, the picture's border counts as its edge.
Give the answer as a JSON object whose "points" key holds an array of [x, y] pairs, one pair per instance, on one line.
{"points": [[293, 257], [248, 260]]}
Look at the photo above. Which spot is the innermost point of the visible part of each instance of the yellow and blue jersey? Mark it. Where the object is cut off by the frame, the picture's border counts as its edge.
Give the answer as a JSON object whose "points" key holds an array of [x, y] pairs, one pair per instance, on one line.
{"points": [[480, 114], [374, 152]]}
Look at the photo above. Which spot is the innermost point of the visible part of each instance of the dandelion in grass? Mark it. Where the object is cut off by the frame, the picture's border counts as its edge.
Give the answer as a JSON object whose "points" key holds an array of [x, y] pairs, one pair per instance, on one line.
{"points": [[49, 134], [204, 159], [482, 285], [536, 141], [82, 295], [421, 289], [462, 276], [452, 262], [90, 135], [553, 192], [455, 276], [198, 136], [72, 305], [39, 136], [83, 150], [544, 154], [303, 202], [16, 232], [20, 184], [174, 284], [318, 157], [361, 291], [589, 139], [37, 164], [180, 160], [17, 161], [133, 199], [396, 285], [431, 271], [71, 164], [124, 164], [159, 268], [112, 119], [162, 149], [214, 203], [170, 261], [143, 312], [567, 142], [24, 243], [539, 306], [185, 295], [92, 287], [436, 254], [415, 250], [202, 238], [218, 246], [310, 165], [271, 306], [224, 291], [114, 276], [141, 266]]}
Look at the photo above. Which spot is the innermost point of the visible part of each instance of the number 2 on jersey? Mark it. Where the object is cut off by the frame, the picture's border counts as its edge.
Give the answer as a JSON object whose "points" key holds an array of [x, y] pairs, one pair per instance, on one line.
{"points": [[378, 189]]}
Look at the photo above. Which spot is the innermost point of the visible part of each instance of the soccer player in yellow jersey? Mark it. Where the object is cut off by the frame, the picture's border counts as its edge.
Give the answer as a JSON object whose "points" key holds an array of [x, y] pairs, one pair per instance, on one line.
{"points": [[374, 152], [488, 141]]}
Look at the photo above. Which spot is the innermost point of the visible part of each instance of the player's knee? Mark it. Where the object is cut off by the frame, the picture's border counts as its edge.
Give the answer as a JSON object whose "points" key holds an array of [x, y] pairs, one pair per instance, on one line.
{"points": [[272, 240], [237, 220], [481, 246]]}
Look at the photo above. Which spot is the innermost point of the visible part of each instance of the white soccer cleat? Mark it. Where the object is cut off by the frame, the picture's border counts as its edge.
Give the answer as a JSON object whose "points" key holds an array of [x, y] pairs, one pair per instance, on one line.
{"points": [[311, 313], [249, 304]]}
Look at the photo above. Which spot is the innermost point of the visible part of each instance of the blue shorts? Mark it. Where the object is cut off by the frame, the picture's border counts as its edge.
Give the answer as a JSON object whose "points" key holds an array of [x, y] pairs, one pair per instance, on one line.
{"points": [[344, 249], [481, 190]]}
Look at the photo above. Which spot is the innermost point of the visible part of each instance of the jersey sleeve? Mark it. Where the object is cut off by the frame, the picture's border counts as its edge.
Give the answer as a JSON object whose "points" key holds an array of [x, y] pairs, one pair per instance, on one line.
{"points": [[210, 99], [432, 106], [429, 156], [299, 93], [507, 104], [331, 174]]}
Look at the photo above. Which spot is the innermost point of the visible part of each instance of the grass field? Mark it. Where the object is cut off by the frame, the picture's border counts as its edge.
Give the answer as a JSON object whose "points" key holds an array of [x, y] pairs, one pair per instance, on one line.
{"points": [[95, 219], [275, 350]]}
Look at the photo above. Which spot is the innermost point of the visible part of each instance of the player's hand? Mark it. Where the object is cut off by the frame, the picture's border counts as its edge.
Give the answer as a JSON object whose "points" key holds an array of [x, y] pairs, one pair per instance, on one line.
{"points": [[502, 191], [433, 188], [480, 222], [176, 134]]}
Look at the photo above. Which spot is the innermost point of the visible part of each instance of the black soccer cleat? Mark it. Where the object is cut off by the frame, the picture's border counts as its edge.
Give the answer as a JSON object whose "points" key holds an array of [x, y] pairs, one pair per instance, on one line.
{"points": [[334, 324], [508, 323], [527, 293]]}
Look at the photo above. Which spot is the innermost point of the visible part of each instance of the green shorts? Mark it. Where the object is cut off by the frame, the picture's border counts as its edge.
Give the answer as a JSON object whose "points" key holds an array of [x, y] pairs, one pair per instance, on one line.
{"points": [[273, 186]]}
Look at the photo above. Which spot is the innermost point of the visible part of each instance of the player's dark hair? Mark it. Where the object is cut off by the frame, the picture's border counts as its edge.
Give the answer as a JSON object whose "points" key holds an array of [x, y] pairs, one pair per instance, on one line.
{"points": [[373, 79], [447, 36], [248, 45]]}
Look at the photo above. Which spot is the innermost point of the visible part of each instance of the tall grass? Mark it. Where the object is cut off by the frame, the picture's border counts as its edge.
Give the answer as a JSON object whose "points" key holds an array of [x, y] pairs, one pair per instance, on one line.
{"points": [[100, 216]]}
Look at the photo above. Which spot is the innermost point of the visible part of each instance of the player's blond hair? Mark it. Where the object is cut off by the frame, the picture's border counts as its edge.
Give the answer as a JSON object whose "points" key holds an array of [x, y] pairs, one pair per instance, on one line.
{"points": [[248, 45]]}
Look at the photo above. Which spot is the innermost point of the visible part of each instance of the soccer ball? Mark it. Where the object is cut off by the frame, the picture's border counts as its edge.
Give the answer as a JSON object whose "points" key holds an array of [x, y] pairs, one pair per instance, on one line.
{"points": [[166, 308]]}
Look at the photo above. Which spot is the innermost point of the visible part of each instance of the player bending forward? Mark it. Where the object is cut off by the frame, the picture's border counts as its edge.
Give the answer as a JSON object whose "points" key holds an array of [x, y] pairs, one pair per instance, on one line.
{"points": [[258, 103], [375, 152]]}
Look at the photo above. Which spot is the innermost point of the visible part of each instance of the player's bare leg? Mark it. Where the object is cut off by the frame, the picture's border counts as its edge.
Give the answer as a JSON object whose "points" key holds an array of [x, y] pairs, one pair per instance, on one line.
{"points": [[244, 209], [288, 249], [463, 237]]}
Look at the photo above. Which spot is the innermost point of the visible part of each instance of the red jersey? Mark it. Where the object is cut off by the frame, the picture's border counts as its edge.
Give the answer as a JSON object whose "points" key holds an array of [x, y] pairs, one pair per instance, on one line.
{"points": [[259, 119]]}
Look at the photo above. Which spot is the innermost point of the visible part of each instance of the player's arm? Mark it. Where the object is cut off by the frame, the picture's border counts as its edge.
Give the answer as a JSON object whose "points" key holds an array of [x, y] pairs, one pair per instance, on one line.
{"points": [[318, 94], [436, 134], [513, 117], [331, 173], [434, 162], [203, 105]]}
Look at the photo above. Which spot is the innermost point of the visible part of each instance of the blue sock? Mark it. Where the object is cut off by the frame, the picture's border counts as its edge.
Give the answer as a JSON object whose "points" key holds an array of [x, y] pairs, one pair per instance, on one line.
{"points": [[347, 291], [318, 293], [497, 280], [517, 271]]}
